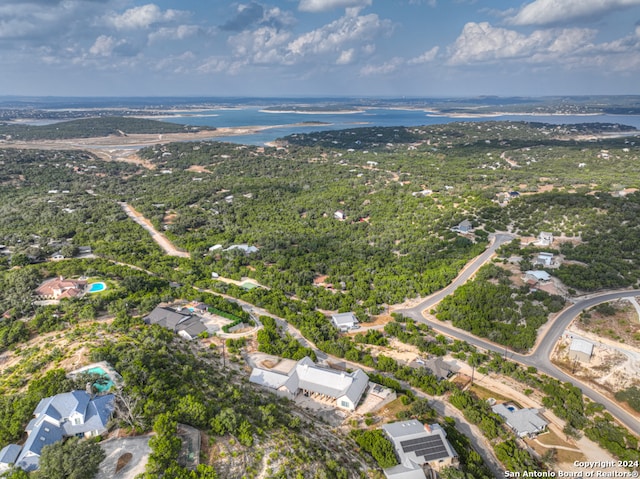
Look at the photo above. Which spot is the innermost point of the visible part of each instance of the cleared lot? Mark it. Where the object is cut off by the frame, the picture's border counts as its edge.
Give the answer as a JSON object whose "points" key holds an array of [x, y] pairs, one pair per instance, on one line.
{"points": [[126, 457]]}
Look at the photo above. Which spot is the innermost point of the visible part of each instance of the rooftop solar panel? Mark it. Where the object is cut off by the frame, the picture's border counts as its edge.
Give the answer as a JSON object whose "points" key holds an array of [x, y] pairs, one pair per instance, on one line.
{"points": [[430, 448]]}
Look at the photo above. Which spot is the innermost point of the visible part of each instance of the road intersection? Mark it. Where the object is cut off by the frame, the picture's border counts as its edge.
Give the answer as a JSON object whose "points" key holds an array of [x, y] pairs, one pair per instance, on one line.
{"points": [[539, 356]]}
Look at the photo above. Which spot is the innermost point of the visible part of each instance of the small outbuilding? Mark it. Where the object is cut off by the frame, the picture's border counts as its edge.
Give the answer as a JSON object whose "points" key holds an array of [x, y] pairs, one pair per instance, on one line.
{"points": [[580, 350]]}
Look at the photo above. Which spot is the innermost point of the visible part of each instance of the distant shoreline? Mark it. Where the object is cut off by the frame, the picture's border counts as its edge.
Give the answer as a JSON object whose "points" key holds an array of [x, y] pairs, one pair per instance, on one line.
{"points": [[436, 114], [314, 112]]}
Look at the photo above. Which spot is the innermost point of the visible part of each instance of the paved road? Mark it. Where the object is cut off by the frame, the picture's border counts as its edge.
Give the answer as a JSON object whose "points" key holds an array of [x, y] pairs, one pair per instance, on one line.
{"points": [[539, 356], [471, 268]]}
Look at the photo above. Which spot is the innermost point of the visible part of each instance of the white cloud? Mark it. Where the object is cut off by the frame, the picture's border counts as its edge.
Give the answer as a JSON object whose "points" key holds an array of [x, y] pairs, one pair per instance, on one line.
{"points": [[173, 33], [383, 69], [351, 28], [324, 5], [143, 17], [263, 45], [483, 43], [346, 57], [220, 65], [103, 46], [550, 12], [426, 57], [333, 43]]}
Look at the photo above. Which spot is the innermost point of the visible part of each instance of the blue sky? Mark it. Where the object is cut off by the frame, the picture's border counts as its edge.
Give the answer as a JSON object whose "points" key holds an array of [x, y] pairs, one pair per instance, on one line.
{"points": [[319, 47]]}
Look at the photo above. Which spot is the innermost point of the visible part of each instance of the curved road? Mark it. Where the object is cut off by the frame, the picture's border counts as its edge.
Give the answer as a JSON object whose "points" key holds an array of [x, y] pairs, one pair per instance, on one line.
{"points": [[539, 356]]}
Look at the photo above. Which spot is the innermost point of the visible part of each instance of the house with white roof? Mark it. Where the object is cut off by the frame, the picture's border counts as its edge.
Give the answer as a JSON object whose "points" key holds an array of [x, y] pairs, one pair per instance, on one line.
{"points": [[307, 378], [580, 350], [537, 276], [545, 259], [524, 422], [344, 321], [245, 248], [75, 413], [545, 238], [419, 447]]}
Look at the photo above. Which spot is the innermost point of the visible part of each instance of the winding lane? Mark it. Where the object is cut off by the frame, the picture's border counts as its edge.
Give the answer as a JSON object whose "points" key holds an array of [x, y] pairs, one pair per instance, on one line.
{"points": [[539, 356]]}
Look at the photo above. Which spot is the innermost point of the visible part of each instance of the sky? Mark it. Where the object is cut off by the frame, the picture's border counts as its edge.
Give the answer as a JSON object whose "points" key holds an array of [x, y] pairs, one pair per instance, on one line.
{"points": [[289, 48]]}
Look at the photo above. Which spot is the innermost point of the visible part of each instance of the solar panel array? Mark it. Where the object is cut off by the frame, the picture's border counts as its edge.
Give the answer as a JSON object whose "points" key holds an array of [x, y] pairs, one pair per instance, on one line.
{"points": [[431, 448]]}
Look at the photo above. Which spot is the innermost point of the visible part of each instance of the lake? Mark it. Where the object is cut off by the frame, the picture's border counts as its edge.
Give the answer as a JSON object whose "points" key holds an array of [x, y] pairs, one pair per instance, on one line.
{"points": [[287, 123]]}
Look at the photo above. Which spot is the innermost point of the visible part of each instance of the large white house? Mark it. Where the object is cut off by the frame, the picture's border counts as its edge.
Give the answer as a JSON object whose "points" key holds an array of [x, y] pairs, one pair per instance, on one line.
{"points": [[75, 413], [306, 378]]}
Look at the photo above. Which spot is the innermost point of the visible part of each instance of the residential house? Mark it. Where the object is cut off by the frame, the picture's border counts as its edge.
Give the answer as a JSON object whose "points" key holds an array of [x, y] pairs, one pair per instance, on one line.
{"points": [[339, 215], [8, 456], [436, 366], [245, 248], [340, 388], [545, 238], [537, 276], [545, 259], [191, 328], [75, 413], [580, 350], [419, 447], [344, 321], [57, 256], [523, 422], [60, 288], [186, 325], [465, 226]]}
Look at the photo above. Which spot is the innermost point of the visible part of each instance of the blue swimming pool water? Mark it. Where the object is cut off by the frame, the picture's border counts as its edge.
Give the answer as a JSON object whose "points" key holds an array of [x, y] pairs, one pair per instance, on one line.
{"points": [[101, 386], [97, 287]]}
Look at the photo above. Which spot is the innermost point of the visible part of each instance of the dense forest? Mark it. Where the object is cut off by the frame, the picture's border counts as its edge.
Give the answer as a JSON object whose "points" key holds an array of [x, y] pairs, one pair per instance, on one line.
{"points": [[342, 221]]}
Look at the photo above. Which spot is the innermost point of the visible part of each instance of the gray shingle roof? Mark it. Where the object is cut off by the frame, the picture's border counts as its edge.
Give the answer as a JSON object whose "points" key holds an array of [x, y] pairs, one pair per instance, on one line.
{"points": [[166, 317], [522, 421], [192, 326]]}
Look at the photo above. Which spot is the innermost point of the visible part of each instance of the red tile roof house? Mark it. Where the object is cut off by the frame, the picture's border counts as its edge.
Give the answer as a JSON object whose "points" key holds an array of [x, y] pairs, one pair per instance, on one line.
{"points": [[60, 288]]}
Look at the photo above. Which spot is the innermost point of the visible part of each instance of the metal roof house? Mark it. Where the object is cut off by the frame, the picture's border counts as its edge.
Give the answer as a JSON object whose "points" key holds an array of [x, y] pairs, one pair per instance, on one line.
{"points": [[418, 446], [524, 422], [75, 413], [344, 321], [538, 275], [544, 258], [309, 379], [9, 455], [580, 350]]}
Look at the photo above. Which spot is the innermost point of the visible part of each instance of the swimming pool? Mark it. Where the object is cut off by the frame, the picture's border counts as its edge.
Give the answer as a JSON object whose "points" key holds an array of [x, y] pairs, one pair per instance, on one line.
{"points": [[97, 287], [102, 385]]}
